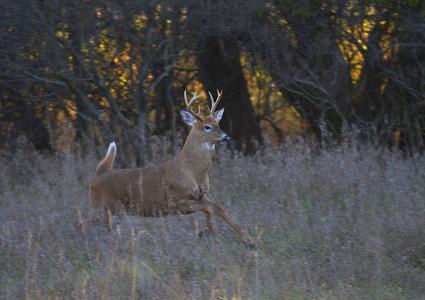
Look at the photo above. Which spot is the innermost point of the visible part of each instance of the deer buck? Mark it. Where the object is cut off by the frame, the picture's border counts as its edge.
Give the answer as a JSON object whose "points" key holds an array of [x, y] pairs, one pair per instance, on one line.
{"points": [[178, 186]]}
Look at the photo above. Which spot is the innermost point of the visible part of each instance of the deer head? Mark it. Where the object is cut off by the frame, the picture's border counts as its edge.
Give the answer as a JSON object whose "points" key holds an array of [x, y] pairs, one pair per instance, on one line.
{"points": [[206, 128]]}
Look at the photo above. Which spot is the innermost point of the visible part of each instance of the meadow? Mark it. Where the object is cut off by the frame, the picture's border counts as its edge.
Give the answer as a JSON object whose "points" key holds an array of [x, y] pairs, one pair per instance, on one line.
{"points": [[343, 222]]}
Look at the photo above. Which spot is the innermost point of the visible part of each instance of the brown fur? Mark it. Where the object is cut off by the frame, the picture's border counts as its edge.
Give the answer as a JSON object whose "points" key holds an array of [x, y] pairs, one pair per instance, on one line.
{"points": [[178, 186]]}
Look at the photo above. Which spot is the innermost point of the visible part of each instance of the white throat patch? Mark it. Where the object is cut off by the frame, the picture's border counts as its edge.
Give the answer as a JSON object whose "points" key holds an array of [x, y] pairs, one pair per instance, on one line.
{"points": [[208, 146]]}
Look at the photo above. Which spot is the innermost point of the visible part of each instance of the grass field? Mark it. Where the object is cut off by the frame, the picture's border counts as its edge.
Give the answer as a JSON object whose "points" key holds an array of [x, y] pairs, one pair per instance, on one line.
{"points": [[345, 223]]}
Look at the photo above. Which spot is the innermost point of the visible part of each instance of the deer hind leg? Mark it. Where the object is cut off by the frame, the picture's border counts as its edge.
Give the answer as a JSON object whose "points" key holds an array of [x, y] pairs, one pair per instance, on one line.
{"points": [[100, 215], [213, 208], [101, 212]]}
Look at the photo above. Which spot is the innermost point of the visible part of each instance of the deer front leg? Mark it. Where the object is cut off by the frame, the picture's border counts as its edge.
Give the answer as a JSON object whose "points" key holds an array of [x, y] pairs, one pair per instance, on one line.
{"points": [[209, 230], [210, 207]]}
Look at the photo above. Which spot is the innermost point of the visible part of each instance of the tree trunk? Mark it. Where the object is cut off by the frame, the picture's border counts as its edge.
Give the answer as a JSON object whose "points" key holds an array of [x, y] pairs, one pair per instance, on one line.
{"points": [[220, 68]]}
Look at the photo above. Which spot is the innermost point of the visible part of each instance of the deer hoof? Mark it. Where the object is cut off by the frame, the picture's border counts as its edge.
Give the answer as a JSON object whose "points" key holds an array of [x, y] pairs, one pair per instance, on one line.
{"points": [[251, 246], [206, 232]]}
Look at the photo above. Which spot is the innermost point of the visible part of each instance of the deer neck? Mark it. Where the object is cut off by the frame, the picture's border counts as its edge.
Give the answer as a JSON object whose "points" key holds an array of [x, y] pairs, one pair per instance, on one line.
{"points": [[197, 154]]}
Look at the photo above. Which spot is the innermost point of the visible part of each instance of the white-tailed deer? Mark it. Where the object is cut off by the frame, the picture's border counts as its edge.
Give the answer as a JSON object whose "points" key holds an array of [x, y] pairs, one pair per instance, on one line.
{"points": [[178, 186]]}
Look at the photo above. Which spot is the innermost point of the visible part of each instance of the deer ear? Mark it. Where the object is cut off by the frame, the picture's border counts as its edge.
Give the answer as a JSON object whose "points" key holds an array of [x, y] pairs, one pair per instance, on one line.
{"points": [[217, 115], [188, 118]]}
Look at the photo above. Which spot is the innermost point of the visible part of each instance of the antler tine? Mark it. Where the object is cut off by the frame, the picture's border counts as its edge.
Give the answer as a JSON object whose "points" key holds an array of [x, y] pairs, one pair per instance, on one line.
{"points": [[214, 104], [189, 103]]}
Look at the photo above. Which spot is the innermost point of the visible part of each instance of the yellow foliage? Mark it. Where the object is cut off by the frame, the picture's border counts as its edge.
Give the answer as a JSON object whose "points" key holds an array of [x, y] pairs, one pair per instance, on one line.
{"points": [[360, 33]]}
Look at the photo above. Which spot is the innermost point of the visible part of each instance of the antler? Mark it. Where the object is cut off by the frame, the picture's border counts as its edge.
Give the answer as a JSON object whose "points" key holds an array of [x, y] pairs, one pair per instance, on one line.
{"points": [[214, 104], [188, 104]]}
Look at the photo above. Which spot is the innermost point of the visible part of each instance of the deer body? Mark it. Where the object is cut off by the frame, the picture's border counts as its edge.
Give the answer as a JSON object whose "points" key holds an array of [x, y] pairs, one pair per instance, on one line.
{"points": [[178, 186]]}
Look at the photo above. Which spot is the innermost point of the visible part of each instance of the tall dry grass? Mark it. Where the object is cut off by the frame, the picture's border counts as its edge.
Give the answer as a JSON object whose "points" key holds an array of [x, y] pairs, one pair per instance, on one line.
{"points": [[345, 223]]}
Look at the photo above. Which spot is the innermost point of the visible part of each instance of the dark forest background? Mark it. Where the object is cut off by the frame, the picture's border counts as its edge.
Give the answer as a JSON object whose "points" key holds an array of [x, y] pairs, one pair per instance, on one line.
{"points": [[83, 72]]}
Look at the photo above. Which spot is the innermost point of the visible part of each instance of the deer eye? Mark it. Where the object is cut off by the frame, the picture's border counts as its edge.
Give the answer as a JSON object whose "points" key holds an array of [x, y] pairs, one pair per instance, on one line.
{"points": [[207, 127]]}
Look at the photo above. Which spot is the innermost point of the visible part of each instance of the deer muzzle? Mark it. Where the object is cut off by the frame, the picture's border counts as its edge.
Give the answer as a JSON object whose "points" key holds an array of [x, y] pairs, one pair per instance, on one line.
{"points": [[224, 139]]}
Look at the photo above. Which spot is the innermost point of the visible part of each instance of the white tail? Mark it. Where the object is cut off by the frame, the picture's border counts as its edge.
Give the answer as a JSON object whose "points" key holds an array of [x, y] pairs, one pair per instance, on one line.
{"points": [[106, 164], [178, 186]]}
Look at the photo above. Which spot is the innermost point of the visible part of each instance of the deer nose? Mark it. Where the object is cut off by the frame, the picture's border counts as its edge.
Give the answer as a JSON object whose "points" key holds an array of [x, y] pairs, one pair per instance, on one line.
{"points": [[225, 139]]}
